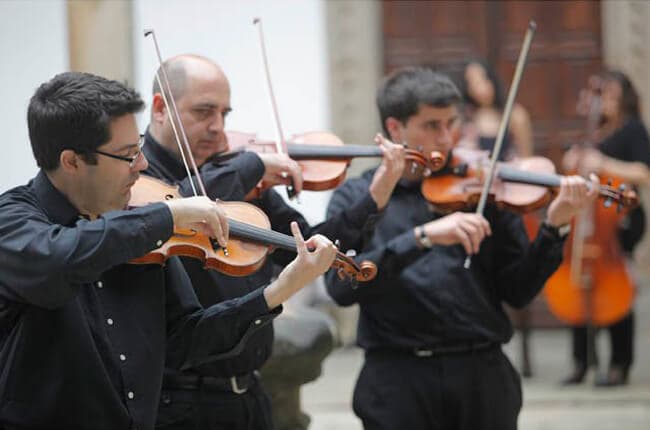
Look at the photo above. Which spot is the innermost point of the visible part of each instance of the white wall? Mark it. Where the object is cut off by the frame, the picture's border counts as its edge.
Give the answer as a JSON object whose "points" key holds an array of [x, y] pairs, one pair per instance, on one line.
{"points": [[223, 30], [33, 48]]}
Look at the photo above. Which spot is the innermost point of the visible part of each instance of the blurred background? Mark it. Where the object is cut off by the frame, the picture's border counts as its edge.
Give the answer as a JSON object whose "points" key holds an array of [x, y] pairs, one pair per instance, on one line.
{"points": [[326, 60]]}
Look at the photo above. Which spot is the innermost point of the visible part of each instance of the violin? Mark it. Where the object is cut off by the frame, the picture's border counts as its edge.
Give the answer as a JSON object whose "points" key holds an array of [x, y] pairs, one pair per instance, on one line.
{"points": [[522, 185], [251, 238], [322, 156]]}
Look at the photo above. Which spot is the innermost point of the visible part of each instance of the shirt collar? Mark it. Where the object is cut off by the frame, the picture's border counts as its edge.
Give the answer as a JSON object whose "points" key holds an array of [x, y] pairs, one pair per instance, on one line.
{"points": [[158, 155], [53, 202]]}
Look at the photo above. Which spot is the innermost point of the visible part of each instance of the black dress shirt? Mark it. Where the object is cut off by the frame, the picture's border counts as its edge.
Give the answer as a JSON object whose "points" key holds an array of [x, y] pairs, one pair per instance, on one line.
{"points": [[83, 336], [424, 297], [629, 143], [212, 287]]}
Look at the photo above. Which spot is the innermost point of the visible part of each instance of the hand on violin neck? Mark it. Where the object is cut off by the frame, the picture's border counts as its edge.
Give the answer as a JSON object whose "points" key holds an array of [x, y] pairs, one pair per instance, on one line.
{"points": [[467, 229], [315, 256], [279, 169], [575, 194], [389, 171], [200, 214]]}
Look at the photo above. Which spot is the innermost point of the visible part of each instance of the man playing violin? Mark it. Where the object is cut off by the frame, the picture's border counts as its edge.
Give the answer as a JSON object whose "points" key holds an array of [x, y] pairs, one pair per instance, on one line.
{"points": [[227, 393], [83, 335], [431, 329]]}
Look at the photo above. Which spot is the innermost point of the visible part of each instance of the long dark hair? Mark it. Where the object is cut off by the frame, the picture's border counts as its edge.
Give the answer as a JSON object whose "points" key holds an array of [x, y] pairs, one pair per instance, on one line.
{"points": [[629, 104], [490, 73]]}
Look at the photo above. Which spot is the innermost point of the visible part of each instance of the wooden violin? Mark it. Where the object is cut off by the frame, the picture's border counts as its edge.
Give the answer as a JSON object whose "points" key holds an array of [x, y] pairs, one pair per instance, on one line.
{"points": [[522, 185], [322, 156], [251, 238]]}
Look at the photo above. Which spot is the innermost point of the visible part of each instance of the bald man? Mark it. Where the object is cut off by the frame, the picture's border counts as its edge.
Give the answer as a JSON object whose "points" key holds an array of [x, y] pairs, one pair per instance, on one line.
{"points": [[226, 393]]}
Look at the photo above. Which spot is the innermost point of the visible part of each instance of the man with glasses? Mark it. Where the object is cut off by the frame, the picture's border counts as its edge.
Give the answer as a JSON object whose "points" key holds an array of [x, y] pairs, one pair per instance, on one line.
{"points": [[131, 159], [226, 392], [82, 334]]}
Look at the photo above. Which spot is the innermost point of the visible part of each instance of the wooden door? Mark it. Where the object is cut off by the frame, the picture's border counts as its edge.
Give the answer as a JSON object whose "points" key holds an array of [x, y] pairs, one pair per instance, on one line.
{"points": [[565, 51]]}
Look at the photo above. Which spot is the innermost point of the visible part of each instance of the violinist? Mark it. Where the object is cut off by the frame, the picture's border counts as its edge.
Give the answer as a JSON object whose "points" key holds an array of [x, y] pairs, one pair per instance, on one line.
{"points": [[226, 393], [431, 329], [83, 335], [623, 151]]}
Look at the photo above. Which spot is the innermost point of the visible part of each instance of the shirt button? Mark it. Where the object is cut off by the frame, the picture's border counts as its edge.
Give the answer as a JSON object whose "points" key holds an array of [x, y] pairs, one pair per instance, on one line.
{"points": [[122, 357], [100, 284], [159, 243], [258, 322], [130, 395], [109, 321]]}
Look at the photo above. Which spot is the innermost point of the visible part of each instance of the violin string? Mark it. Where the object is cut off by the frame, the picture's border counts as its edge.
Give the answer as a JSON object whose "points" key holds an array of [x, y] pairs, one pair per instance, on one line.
{"points": [[272, 237]]}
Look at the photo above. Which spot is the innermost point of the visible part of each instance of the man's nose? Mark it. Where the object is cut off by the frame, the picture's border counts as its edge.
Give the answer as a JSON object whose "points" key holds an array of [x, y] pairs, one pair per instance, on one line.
{"points": [[446, 135], [142, 163], [216, 123]]}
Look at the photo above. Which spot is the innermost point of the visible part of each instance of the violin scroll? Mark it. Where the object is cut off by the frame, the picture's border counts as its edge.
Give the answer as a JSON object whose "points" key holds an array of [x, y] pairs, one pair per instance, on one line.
{"points": [[346, 267]]}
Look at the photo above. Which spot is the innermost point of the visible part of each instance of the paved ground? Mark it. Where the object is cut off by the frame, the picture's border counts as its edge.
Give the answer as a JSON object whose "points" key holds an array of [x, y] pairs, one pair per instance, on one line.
{"points": [[547, 405]]}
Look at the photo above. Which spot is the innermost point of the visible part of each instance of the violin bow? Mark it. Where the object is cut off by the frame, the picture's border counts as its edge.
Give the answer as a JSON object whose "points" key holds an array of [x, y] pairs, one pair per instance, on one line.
{"points": [[505, 120], [281, 143], [175, 118]]}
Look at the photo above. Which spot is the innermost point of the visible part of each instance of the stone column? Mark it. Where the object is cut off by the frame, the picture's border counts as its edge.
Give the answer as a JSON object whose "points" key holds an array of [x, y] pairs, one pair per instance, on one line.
{"points": [[101, 38], [354, 46]]}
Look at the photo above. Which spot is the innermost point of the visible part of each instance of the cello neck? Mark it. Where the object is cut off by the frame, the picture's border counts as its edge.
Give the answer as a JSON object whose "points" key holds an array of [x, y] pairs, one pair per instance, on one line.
{"points": [[299, 151]]}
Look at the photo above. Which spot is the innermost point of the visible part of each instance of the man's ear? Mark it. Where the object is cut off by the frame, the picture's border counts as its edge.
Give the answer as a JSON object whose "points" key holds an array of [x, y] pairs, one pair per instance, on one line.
{"points": [[158, 109], [394, 127], [69, 161]]}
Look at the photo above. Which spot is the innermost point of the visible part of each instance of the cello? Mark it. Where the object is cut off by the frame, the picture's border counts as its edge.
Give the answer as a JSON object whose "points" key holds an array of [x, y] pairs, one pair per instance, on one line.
{"points": [[592, 287]]}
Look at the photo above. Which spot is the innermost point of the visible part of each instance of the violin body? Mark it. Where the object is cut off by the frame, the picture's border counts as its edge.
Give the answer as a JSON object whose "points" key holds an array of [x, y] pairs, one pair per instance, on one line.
{"points": [[458, 185], [592, 286], [240, 258]]}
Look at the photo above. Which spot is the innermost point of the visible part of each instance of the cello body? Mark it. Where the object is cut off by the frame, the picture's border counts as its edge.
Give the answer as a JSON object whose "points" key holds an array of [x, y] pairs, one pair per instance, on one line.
{"points": [[592, 286]]}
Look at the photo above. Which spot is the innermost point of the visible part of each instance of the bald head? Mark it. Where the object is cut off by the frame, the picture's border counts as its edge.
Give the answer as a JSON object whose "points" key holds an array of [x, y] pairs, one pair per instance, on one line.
{"points": [[182, 69], [202, 97]]}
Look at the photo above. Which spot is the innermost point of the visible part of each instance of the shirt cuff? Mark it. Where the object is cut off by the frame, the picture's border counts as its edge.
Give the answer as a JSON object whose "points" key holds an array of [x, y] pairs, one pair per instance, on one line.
{"points": [[254, 308], [250, 166], [155, 225]]}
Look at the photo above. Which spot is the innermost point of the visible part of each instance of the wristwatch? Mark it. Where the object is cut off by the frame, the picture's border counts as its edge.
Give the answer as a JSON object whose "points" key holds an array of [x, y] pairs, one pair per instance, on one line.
{"points": [[558, 232], [423, 240]]}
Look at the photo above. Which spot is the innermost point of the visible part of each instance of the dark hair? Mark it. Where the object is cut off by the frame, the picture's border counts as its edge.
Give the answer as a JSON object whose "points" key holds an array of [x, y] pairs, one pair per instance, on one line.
{"points": [[490, 73], [74, 111], [402, 93], [629, 104]]}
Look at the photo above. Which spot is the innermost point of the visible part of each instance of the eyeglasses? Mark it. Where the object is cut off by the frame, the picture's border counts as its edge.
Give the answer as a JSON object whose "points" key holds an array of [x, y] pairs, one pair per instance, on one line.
{"points": [[132, 159]]}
